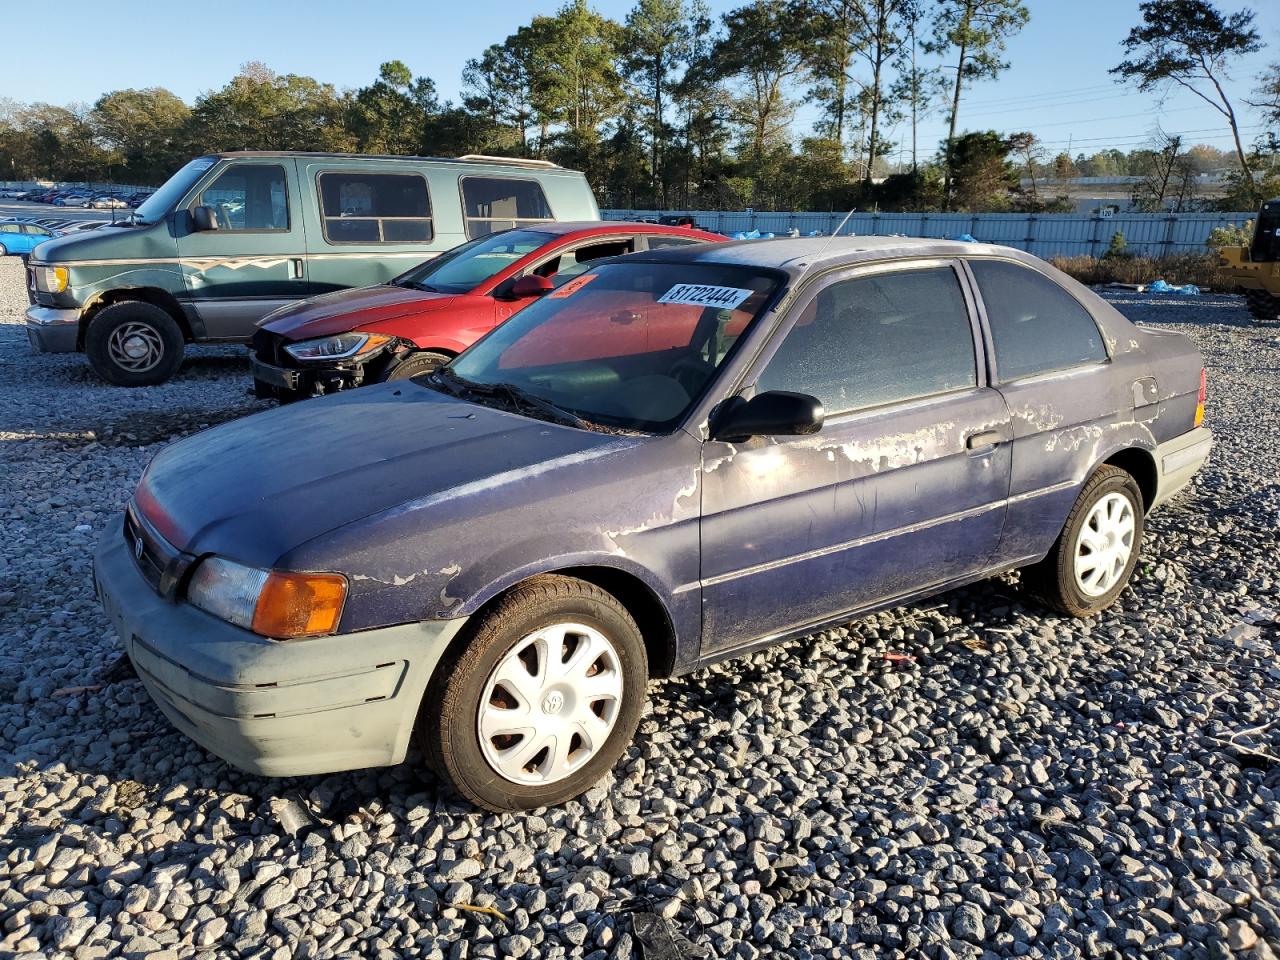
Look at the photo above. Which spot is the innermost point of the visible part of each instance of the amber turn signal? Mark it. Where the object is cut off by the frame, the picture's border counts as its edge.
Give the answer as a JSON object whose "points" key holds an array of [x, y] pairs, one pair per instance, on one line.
{"points": [[299, 605]]}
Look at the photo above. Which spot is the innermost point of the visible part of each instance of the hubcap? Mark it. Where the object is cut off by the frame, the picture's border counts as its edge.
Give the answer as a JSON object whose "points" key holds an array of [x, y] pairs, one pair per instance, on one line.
{"points": [[550, 704], [1105, 544], [135, 346]]}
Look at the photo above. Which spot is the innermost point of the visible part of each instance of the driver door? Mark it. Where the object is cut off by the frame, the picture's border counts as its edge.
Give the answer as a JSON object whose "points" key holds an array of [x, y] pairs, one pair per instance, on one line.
{"points": [[903, 488], [256, 260]]}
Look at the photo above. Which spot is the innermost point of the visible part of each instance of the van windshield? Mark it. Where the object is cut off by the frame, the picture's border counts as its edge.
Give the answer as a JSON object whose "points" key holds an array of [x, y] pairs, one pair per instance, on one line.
{"points": [[466, 266], [162, 201]]}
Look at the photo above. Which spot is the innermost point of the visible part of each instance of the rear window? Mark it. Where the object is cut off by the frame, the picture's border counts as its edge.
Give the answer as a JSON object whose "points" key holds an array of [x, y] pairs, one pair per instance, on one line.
{"points": [[490, 204], [1036, 326], [375, 207]]}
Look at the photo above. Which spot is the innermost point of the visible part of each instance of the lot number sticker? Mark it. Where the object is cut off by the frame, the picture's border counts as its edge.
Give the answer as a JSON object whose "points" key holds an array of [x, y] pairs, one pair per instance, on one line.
{"points": [[703, 295]]}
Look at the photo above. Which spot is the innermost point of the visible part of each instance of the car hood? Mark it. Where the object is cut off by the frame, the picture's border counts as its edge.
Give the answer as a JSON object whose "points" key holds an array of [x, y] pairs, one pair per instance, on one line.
{"points": [[345, 310], [258, 487]]}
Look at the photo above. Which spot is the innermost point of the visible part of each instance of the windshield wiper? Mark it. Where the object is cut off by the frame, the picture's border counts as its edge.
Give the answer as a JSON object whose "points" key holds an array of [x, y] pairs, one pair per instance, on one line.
{"points": [[516, 396]]}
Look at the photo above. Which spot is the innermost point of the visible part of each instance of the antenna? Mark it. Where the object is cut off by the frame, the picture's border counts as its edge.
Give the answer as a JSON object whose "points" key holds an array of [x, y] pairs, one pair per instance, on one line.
{"points": [[835, 234]]}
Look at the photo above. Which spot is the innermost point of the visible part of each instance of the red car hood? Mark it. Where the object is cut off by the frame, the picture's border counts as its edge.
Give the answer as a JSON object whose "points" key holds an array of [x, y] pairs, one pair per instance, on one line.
{"points": [[345, 310]]}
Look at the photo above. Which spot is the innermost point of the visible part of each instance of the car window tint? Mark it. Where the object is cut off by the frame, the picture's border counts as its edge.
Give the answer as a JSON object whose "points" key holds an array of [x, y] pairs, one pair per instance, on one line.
{"points": [[657, 243], [574, 262], [1036, 326], [497, 203], [9, 228], [248, 196], [375, 207], [873, 340]]}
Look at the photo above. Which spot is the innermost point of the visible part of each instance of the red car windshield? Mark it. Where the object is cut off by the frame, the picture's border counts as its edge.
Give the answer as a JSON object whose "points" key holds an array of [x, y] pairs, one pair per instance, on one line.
{"points": [[464, 267], [630, 344]]}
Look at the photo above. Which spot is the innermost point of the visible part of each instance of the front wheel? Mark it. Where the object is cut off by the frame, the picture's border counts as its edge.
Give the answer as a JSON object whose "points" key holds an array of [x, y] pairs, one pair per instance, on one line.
{"points": [[1262, 305], [4, 252], [416, 364], [1094, 556], [540, 700], [134, 344]]}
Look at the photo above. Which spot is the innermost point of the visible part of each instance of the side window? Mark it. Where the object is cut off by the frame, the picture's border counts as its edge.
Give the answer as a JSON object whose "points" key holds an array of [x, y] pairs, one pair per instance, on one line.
{"points": [[563, 268], [658, 243], [490, 204], [879, 339], [249, 197], [375, 207], [9, 228], [1036, 326]]}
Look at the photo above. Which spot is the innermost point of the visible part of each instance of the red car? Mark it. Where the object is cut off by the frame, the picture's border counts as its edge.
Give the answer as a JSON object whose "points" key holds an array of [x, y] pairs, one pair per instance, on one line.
{"points": [[427, 316]]}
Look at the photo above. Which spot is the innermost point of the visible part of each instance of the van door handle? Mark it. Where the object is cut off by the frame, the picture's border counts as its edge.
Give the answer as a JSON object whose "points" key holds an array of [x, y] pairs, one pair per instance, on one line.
{"points": [[983, 440], [295, 268]]}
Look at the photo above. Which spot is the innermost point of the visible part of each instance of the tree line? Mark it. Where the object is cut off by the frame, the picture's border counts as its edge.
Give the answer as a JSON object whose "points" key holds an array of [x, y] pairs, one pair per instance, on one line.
{"points": [[674, 109]]}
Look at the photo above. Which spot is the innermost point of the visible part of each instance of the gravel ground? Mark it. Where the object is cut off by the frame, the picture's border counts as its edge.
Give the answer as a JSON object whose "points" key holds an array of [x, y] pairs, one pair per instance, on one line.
{"points": [[968, 777]]}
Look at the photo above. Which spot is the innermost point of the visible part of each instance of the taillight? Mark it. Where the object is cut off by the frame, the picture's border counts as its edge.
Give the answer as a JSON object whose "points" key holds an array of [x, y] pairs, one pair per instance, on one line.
{"points": [[1200, 398]]}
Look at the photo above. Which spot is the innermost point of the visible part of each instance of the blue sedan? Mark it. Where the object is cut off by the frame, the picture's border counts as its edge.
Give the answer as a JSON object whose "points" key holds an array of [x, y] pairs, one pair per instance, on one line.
{"points": [[21, 238]]}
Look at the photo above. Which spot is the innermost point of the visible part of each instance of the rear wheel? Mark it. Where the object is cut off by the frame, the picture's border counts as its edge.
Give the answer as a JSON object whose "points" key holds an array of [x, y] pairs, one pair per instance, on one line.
{"points": [[134, 344], [416, 364], [4, 252], [540, 700], [1094, 556], [1262, 305]]}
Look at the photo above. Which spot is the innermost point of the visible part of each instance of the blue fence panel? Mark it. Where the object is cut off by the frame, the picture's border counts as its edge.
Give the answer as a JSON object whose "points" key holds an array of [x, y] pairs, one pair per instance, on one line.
{"points": [[1044, 234]]}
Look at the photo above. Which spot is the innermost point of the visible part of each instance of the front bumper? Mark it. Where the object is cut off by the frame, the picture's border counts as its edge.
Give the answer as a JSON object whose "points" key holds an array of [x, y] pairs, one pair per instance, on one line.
{"points": [[1178, 460], [50, 330], [273, 708]]}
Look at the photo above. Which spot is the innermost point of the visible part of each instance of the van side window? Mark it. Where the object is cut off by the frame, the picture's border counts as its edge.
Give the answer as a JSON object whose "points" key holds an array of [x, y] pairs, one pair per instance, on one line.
{"points": [[375, 207], [250, 197], [490, 204], [1036, 326], [880, 339]]}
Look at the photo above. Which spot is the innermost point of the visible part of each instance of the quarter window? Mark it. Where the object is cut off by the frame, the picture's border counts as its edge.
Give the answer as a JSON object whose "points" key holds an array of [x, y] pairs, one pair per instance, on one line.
{"points": [[1036, 326], [249, 197], [879, 339], [375, 208], [497, 203], [657, 243]]}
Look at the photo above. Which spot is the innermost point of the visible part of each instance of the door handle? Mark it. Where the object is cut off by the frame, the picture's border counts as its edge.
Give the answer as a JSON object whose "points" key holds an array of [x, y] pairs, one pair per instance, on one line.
{"points": [[295, 268], [983, 440]]}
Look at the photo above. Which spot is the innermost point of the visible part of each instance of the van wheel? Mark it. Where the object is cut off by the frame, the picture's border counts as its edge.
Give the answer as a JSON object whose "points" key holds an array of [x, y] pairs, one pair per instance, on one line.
{"points": [[1094, 556], [540, 700], [416, 364], [134, 344]]}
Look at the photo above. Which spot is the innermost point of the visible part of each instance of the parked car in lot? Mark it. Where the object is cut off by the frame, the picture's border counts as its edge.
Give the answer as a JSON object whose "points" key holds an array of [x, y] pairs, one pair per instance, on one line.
{"points": [[676, 457], [233, 236], [71, 200], [22, 238], [106, 202], [426, 316]]}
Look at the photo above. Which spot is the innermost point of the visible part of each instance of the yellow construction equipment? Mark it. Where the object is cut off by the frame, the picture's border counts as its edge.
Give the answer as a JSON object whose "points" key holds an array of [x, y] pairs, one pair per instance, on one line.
{"points": [[1256, 268]]}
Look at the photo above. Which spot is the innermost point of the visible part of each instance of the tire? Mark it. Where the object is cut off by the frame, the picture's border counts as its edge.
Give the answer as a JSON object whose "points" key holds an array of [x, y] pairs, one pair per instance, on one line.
{"points": [[1262, 305], [1055, 580], [4, 252], [470, 684], [119, 330], [416, 364]]}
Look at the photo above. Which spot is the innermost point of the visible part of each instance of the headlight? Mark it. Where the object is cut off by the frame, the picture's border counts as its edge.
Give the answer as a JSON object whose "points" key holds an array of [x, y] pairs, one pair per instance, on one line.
{"points": [[51, 279], [271, 603], [344, 346]]}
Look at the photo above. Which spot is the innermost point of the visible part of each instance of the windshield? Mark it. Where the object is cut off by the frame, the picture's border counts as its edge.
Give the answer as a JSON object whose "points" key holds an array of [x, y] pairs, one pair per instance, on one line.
{"points": [[462, 268], [629, 344], [162, 201]]}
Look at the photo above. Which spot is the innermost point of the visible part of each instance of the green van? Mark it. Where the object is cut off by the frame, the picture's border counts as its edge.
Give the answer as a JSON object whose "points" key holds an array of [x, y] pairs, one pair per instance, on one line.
{"points": [[232, 236]]}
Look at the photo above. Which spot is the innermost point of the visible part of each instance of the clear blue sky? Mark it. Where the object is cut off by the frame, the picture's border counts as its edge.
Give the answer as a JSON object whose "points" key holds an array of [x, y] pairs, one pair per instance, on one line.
{"points": [[1057, 86]]}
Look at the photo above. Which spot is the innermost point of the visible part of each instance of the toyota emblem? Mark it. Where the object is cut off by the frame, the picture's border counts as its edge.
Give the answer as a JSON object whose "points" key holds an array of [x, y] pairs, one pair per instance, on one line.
{"points": [[137, 547]]}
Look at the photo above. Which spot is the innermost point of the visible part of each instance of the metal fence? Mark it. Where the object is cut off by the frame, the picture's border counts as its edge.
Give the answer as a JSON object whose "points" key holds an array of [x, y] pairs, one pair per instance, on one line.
{"points": [[1044, 234]]}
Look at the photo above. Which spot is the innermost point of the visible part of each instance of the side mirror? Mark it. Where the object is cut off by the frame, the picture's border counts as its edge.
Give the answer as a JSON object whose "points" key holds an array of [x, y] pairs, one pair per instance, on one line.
{"points": [[203, 218], [775, 413], [530, 285]]}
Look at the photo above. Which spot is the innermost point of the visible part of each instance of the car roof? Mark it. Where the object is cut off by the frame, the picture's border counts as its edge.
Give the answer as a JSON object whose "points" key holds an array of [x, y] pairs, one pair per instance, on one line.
{"points": [[590, 227], [802, 254]]}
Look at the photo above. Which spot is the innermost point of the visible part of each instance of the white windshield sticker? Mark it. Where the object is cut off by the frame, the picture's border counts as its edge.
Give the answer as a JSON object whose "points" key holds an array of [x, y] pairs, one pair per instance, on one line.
{"points": [[703, 295]]}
